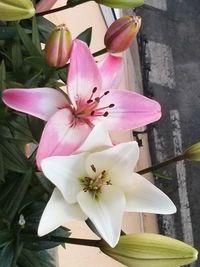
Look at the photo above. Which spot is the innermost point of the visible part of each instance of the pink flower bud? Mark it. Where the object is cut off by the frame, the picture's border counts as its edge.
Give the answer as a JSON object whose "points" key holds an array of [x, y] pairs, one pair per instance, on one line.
{"points": [[121, 33], [44, 5], [58, 46]]}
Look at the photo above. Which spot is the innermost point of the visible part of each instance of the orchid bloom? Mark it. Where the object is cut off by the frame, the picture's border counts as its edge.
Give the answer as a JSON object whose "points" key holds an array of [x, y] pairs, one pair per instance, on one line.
{"points": [[98, 183], [91, 98]]}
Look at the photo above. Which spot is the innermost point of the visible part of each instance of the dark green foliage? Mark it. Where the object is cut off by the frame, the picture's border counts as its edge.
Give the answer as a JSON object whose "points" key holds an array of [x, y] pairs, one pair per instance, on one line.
{"points": [[24, 191]]}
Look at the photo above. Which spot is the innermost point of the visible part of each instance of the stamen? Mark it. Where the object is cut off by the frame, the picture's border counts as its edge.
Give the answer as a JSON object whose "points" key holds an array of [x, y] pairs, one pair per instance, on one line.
{"points": [[98, 109], [105, 114], [93, 92], [97, 99]]}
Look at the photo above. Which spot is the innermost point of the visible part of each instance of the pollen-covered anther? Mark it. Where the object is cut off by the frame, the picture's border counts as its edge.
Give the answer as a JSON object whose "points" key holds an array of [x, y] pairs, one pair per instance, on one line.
{"points": [[95, 184]]}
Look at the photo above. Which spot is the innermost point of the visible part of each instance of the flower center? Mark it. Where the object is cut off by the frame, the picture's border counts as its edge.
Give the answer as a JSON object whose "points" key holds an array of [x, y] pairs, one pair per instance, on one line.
{"points": [[90, 107], [95, 184]]}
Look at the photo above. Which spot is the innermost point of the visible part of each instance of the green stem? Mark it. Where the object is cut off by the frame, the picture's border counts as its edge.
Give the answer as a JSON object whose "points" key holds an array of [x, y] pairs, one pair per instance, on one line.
{"points": [[60, 239], [162, 164], [100, 52]]}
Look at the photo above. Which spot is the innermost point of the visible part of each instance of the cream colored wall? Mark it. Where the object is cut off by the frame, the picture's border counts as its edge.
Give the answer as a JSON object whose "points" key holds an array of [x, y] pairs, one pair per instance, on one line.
{"points": [[77, 20]]}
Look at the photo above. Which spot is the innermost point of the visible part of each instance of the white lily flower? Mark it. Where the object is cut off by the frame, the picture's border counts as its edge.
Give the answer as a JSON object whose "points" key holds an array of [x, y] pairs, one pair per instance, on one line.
{"points": [[98, 183]]}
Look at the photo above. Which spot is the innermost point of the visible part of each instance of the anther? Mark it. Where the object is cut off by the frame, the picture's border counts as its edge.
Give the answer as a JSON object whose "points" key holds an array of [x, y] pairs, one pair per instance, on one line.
{"points": [[107, 92], [111, 105], [93, 168], [93, 92], [105, 114]]}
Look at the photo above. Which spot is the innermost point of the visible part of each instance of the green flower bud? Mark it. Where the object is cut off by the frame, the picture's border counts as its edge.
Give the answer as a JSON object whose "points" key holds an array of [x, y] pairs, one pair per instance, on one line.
{"points": [[193, 152], [150, 250], [121, 33], [11, 10], [58, 46], [121, 3]]}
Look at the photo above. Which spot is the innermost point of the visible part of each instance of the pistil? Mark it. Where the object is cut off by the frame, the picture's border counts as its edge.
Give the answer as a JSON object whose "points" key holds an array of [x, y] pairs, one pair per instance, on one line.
{"points": [[94, 185]]}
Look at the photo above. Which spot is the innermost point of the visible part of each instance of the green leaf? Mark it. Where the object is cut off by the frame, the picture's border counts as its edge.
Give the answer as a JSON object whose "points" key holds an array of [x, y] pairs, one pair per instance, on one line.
{"points": [[19, 127], [34, 81], [35, 259], [35, 34], [6, 255], [45, 28], [14, 159], [16, 55], [46, 184], [5, 237], [7, 32], [2, 76], [30, 47], [14, 201], [86, 36], [37, 243], [1, 167], [37, 62], [32, 195], [36, 127], [62, 73]]}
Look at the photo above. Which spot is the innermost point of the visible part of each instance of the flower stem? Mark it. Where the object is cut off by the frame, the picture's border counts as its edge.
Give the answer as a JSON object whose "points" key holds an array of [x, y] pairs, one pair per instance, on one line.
{"points": [[100, 52], [162, 164], [60, 239]]}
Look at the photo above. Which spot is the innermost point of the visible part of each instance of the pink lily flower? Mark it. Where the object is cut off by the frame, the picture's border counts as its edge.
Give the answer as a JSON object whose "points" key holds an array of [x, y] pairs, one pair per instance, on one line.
{"points": [[91, 99], [44, 5]]}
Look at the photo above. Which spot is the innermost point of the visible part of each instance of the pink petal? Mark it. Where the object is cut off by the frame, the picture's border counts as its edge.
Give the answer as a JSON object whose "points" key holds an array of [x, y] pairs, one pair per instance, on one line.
{"points": [[83, 73], [62, 135], [44, 5], [131, 110], [39, 102], [111, 71]]}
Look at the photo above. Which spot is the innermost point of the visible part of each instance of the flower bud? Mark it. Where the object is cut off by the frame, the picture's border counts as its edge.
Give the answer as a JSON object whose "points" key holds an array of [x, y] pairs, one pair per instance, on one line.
{"points": [[121, 3], [44, 5], [150, 250], [58, 46], [193, 152], [11, 10], [121, 33]]}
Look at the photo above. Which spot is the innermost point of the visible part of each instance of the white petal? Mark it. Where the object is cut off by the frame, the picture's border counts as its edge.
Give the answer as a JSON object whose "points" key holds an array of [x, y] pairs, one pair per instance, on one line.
{"points": [[106, 212], [64, 172], [118, 161], [97, 140], [58, 212], [143, 196]]}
